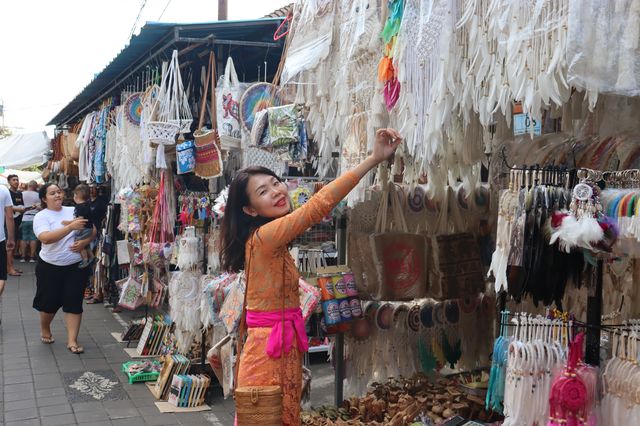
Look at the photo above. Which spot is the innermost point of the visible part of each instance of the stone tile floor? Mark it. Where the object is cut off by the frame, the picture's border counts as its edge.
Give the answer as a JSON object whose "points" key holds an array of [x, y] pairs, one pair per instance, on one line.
{"points": [[47, 385]]}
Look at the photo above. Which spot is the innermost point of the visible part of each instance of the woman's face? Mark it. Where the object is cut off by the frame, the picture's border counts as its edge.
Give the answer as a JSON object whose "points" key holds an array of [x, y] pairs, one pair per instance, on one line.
{"points": [[268, 197], [54, 197]]}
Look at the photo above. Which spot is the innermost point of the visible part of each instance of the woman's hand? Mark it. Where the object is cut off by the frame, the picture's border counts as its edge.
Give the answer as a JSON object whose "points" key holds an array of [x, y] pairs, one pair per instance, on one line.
{"points": [[77, 224], [387, 140]]}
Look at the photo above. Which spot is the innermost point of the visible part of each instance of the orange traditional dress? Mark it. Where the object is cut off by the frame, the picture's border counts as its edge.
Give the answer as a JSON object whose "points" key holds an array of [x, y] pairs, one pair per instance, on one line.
{"points": [[272, 273]]}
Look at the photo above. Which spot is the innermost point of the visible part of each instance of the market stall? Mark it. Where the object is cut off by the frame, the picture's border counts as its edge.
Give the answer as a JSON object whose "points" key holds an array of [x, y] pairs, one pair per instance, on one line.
{"points": [[496, 248]]}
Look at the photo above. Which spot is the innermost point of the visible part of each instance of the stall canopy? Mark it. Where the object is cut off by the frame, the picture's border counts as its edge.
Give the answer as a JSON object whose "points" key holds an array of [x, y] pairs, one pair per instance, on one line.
{"points": [[21, 151], [250, 43], [23, 175]]}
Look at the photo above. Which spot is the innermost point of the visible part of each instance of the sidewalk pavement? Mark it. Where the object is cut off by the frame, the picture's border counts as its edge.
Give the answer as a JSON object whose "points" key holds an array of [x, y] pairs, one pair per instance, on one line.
{"points": [[48, 385]]}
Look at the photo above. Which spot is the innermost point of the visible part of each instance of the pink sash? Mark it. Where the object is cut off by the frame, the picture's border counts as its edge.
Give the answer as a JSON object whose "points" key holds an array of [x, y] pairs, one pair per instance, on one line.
{"points": [[293, 326]]}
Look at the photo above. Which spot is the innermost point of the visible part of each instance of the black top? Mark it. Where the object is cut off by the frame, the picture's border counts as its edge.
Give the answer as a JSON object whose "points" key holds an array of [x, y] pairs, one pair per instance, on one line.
{"points": [[84, 210], [99, 210], [16, 198]]}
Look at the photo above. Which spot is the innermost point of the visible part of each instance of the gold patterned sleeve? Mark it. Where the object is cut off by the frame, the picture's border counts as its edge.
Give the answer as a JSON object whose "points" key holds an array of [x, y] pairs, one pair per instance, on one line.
{"points": [[282, 231]]}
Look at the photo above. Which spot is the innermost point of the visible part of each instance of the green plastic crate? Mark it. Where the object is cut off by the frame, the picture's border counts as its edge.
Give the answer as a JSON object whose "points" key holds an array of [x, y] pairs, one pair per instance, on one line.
{"points": [[139, 377]]}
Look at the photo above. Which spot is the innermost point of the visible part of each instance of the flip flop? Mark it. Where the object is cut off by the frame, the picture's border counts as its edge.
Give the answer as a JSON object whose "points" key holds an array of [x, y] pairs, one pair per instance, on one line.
{"points": [[47, 340], [94, 301], [15, 274], [76, 349]]}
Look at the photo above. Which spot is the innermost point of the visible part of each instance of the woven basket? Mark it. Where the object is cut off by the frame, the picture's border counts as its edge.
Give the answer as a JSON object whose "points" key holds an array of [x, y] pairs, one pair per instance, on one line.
{"points": [[184, 125], [208, 161], [161, 132], [259, 405]]}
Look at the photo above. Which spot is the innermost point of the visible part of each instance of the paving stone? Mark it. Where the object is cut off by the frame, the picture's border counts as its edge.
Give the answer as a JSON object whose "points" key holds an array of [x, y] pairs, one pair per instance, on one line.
{"points": [[92, 416], [128, 422], [54, 410], [57, 391], [19, 405], [23, 414], [80, 407], [61, 420], [30, 422], [52, 400], [10, 396], [161, 419], [122, 413]]}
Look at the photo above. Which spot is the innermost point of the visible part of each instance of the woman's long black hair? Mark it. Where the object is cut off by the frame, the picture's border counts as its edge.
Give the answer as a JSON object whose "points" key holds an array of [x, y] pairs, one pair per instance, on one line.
{"points": [[237, 226]]}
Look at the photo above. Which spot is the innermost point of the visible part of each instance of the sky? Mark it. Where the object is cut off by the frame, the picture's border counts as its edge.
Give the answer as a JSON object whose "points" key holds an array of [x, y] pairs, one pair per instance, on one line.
{"points": [[51, 49]]}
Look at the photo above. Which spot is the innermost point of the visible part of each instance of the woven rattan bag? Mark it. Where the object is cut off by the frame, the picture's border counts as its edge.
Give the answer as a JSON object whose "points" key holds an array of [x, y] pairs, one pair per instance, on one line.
{"points": [[259, 405], [362, 222]]}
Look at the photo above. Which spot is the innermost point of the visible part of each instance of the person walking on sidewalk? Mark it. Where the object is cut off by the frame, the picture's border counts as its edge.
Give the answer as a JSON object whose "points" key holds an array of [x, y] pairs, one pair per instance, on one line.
{"points": [[28, 240], [7, 242], [59, 281], [18, 211]]}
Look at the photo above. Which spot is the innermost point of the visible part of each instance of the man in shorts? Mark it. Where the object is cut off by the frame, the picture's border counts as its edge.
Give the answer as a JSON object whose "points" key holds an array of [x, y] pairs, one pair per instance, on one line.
{"points": [[7, 242]]}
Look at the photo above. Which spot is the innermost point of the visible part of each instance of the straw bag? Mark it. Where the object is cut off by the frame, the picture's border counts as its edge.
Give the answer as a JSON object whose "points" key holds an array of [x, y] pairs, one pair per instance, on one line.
{"points": [[207, 142], [362, 222], [257, 405], [455, 265], [399, 255]]}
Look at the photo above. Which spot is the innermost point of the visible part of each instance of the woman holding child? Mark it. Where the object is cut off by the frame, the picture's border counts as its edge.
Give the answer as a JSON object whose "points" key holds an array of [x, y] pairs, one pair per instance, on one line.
{"points": [[60, 282]]}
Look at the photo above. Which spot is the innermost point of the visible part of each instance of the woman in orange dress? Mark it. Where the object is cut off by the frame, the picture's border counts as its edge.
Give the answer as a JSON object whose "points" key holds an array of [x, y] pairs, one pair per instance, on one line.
{"points": [[257, 227]]}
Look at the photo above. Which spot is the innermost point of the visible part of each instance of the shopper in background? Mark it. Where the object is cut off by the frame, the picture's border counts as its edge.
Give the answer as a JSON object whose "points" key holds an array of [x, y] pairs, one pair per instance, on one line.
{"points": [[18, 210], [28, 240], [99, 205], [59, 281], [7, 241], [257, 227]]}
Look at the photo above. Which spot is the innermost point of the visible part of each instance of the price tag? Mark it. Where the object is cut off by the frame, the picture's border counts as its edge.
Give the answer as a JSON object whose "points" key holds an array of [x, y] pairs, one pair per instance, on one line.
{"points": [[522, 125]]}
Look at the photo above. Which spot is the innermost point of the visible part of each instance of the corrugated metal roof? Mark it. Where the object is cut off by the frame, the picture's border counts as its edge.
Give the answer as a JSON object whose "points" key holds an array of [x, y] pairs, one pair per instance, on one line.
{"points": [[161, 38]]}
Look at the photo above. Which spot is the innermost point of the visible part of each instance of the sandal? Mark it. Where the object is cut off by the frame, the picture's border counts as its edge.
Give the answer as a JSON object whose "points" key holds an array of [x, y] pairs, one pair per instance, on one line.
{"points": [[47, 340], [15, 274], [93, 301], [76, 349]]}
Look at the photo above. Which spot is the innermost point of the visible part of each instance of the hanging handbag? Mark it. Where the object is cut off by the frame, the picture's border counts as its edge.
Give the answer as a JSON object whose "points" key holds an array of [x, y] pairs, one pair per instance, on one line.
{"points": [[131, 295], [455, 266], [207, 143], [257, 405], [186, 157], [399, 255], [158, 247], [362, 222]]}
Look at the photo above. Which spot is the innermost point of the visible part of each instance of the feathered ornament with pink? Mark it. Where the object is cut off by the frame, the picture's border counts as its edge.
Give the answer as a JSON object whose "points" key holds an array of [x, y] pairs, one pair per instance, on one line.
{"points": [[584, 226]]}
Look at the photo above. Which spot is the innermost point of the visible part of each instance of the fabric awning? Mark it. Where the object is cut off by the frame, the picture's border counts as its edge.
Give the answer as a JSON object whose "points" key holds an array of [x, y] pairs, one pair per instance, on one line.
{"points": [[21, 151]]}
